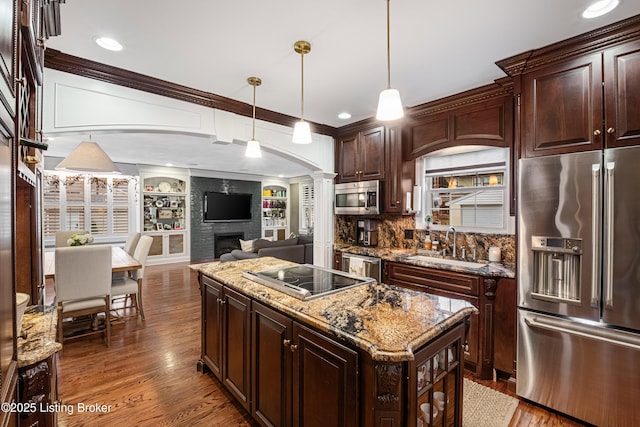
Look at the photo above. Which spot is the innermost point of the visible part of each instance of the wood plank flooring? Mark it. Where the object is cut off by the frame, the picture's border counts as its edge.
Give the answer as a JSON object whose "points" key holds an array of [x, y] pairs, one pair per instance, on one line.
{"points": [[148, 376]]}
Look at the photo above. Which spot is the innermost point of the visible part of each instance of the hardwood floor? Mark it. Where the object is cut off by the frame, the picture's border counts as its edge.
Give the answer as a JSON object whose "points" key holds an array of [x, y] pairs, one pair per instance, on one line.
{"points": [[148, 376]]}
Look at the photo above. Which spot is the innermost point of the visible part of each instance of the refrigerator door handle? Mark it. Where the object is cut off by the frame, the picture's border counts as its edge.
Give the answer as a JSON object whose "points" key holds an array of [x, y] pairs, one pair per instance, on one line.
{"points": [[596, 221], [609, 204], [564, 326]]}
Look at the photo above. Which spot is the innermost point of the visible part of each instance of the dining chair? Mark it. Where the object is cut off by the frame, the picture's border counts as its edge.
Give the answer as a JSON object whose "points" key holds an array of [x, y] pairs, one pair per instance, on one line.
{"points": [[129, 247], [83, 285], [63, 236], [131, 284], [132, 241]]}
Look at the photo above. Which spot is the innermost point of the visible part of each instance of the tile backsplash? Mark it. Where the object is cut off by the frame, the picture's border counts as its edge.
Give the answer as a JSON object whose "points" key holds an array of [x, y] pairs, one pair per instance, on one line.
{"points": [[391, 235]]}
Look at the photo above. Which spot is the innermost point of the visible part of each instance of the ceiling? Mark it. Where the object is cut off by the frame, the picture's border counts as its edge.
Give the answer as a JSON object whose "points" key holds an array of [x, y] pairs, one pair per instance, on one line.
{"points": [[438, 48]]}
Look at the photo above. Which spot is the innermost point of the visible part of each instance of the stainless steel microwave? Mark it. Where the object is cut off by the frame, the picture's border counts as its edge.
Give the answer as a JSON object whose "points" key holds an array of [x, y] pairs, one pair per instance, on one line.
{"points": [[358, 198]]}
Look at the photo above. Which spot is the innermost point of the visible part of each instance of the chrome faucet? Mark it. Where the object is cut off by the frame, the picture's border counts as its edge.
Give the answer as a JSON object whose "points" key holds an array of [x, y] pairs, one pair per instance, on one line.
{"points": [[446, 239]]}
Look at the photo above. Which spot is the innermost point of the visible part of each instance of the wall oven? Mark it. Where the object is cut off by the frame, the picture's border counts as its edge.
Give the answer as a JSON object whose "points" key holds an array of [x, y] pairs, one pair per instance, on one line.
{"points": [[358, 198]]}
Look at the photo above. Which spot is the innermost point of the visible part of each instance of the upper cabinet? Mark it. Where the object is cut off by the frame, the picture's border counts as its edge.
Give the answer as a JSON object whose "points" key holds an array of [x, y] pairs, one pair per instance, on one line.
{"points": [[400, 174], [360, 155], [482, 116], [580, 94]]}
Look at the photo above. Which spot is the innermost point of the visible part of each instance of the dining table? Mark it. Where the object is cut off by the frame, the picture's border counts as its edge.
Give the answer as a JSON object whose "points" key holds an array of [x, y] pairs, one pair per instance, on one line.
{"points": [[120, 261]]}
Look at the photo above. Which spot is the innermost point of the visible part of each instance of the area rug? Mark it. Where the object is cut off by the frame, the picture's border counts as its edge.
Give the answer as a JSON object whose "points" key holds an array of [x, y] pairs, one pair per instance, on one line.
{"points": [[485, 407]]}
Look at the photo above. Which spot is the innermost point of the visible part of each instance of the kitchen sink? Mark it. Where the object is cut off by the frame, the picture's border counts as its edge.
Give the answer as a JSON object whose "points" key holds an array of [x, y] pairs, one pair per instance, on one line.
{"points": [[447, 261]]}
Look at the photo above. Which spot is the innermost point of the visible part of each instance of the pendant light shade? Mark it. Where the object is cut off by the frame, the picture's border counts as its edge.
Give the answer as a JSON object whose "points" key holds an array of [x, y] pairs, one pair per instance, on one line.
{"points": [[253, 146], [88, 157], [389, 103], [302, 130]]}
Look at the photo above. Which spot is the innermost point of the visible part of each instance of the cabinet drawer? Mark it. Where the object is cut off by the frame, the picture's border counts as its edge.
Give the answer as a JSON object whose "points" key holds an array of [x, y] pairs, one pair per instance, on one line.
{"points": [[447, 280]]}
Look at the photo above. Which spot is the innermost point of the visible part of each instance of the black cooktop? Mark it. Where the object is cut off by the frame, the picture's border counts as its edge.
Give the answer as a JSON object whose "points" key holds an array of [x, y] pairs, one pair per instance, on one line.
{"points": [[306, 281]]}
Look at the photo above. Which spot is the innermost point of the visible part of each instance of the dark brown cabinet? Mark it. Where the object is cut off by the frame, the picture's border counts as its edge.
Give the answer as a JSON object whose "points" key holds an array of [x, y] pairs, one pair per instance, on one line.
{"points": [[479, 291], [360, 155], [399, 173], [271, 367], [300, 377], [504, 327], [482, 116], [226, 337], [38, 387], [337, 260], [580, 94]]}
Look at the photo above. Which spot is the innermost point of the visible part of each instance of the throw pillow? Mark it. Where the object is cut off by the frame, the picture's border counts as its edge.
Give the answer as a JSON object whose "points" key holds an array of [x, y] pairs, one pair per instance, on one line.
{"points": [[247, 245]]}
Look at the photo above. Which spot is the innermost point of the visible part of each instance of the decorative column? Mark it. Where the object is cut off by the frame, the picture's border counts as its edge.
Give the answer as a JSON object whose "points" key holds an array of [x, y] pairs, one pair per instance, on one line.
{"points": [[323, 191]]}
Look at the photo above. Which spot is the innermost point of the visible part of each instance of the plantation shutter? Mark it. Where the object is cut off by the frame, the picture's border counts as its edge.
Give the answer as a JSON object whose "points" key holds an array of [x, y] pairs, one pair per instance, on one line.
{"points": [[307, 206], [51, 205], [120, 216], [75, 211]]}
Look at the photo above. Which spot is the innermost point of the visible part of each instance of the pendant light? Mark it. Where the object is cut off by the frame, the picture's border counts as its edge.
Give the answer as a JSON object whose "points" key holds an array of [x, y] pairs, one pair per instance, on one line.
{"points": [[389, 103], [302, 131], [253, 146], [88, 157]]}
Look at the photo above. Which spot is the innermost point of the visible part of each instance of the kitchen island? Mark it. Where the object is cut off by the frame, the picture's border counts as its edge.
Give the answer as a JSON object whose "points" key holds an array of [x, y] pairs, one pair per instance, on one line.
{"points": [[370, 355]]}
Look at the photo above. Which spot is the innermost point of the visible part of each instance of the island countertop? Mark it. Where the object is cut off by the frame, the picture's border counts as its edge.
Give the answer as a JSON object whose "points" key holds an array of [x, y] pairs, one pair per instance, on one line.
{"points": [[386, 321]]}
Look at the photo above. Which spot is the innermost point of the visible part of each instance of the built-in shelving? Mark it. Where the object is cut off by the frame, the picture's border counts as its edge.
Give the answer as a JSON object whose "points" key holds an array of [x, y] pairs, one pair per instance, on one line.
{"points": [[275, 211]]}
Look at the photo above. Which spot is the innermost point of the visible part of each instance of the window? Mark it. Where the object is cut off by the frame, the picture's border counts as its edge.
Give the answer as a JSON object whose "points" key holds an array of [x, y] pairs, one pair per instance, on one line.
{"points": [[105, 206], [468, 190], [306, 207]]}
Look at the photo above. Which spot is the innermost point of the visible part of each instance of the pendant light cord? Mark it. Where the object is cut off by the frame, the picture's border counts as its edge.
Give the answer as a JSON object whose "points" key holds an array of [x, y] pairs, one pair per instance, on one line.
{"points": [[302, 87], [388, 48], [253, 133]]}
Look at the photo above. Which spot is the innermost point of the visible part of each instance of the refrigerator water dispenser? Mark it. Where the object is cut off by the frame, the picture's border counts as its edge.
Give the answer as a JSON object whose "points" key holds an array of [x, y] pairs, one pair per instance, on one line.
{"points": [[556, 268]]}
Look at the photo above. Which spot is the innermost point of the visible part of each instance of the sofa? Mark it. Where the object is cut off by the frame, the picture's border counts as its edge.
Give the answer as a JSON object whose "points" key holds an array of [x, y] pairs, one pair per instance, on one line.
{"points": [[296, 249]]}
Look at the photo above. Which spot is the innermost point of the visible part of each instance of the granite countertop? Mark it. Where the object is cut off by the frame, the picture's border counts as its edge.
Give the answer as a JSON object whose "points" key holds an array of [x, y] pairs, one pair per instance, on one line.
{"points": [[40, 326], [386, 321], [491, 269]]}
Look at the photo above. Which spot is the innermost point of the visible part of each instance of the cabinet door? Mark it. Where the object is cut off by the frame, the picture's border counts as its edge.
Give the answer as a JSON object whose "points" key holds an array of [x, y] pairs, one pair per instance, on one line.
{"points": [[325, 381], [622, 86], [271, 335], [236, 345], [371, 151], [212, 326], [346, 159], [562, 107], [504, 326], [399, 174]]}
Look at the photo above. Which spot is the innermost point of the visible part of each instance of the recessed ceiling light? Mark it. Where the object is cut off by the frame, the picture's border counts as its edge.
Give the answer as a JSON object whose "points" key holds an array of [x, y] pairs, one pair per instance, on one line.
{"points": [[599, 8], [344, 116], [168, 164], [109, 44]]}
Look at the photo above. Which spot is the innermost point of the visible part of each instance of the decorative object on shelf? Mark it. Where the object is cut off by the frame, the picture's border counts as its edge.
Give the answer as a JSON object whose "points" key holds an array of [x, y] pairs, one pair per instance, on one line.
{"points": [[88, 157], [253, 146], [302, 131], [165, 214], [389, 103], [164, 187], [159, 203], [80, 239]]}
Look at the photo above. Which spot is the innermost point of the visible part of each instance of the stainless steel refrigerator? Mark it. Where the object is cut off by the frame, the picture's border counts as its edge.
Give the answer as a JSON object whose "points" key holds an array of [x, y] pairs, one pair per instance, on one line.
{"points": [[579, 284]]}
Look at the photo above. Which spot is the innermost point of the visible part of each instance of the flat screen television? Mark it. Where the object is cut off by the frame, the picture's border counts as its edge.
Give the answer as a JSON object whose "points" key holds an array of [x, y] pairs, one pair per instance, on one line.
{"points": [[226, 207]]}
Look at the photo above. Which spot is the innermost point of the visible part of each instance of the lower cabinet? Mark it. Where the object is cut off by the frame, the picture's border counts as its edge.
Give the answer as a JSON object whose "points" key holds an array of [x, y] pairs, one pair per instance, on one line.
{"points": [[38, 389], [300, 377], [226, 337], [479, 291]]}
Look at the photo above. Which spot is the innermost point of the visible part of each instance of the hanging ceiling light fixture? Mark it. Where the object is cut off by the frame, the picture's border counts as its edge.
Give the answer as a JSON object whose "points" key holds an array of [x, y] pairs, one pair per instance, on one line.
{"points": [[389, 103], [88, 157], [302, 131], [253, 146]]}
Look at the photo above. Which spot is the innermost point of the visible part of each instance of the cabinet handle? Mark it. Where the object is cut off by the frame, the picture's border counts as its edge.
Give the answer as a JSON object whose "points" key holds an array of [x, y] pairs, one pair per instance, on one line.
{"points": [[611, 130], [293, 348], [222, 301], [21, 81], [596, 132], [286, 342]]}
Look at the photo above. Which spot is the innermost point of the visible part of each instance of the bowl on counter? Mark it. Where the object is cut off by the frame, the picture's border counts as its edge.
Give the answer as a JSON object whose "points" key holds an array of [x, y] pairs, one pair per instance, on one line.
{"points": [[21, 304]]}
